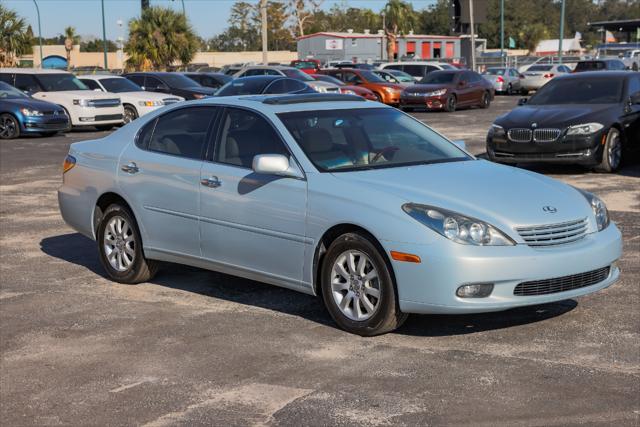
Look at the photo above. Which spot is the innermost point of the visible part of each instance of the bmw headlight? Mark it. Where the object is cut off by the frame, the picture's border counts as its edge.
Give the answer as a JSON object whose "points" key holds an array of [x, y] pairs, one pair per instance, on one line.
{"points": [[438, 92], [496, 130], [30, 113], [584, 129], [459, 228], [599, 209]]}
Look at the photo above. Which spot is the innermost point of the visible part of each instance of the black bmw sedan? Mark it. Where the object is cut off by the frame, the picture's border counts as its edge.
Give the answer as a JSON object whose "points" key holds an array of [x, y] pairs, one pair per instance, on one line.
{"points": [[171, 83], [590, 118]]}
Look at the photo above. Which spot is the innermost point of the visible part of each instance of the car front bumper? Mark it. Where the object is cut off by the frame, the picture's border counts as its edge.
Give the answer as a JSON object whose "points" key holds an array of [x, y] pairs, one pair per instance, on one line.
{"points": [[44, 124], [429, 102], [430, 286]]}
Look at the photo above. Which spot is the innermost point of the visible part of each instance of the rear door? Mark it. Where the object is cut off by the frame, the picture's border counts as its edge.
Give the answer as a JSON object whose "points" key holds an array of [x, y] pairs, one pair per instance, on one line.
{"points": [[160, 176], [251, 222]]}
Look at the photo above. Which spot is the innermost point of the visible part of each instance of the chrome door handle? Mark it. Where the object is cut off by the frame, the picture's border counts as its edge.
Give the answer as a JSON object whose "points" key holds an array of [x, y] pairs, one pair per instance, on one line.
{"points": [[212, 182], [130, 168]]}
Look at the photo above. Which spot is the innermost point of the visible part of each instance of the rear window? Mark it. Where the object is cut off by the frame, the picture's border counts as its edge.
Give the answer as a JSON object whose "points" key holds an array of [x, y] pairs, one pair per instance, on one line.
{"points": [[590, 65], [540, 68]]}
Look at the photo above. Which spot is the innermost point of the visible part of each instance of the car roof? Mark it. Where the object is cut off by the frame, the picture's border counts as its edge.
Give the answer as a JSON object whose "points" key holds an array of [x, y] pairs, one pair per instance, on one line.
{"points": [[99, 76], [261, 78], [33, 71], [601, 74]]}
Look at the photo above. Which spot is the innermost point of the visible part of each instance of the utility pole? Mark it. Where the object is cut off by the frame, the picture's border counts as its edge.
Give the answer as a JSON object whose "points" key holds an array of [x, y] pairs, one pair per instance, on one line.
{"points": [[263, 23], [104, 38], [473, 37], [502, 32], [561, 33], [39, 31]]}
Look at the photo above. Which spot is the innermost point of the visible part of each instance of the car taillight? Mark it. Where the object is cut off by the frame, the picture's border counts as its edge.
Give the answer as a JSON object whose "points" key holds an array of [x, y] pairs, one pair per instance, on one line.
{"points": [[69, 163], [548, 75], [500, 79]]}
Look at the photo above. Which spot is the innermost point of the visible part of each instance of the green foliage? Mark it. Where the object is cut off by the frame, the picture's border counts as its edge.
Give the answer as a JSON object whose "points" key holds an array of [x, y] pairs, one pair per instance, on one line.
{"points": [[158, 38], [15, 37], [98, 46]]}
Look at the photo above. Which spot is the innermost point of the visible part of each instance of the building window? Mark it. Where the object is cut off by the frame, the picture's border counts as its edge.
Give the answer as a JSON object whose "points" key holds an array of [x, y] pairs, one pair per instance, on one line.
{"points": [[354, 42]]}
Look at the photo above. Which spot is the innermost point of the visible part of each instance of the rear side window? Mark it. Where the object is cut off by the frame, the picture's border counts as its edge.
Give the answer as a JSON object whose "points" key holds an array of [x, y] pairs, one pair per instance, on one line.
{"points": [[590, 65], [26, 82], [91, 84], [181, 132], [540, 68], [7, 78], [244, 135], [396, 67], [139, 80], [415, 70]]}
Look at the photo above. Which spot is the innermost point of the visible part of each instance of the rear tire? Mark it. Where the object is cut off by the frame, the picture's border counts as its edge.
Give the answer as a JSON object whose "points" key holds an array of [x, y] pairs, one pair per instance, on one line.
{"points": [[612, 152], [358, 288], [485, 101], [524, 92], [451, 104], [120, 247], [9, 127]]}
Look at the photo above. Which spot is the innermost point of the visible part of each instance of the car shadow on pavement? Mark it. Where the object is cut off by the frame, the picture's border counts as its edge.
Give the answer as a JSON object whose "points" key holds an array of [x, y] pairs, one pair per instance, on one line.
{"points": [[78, 249]]}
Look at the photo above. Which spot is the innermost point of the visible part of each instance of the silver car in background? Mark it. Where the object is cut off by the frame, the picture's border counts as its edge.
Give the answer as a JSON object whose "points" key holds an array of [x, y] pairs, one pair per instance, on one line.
{"points": [[335, 196], [291, 72], [504, 80], [537, 76]]}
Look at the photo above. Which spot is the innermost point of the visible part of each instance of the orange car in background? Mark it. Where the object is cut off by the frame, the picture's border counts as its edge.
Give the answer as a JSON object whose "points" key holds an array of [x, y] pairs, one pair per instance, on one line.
{"points": [[388, 93], [309, 66]]}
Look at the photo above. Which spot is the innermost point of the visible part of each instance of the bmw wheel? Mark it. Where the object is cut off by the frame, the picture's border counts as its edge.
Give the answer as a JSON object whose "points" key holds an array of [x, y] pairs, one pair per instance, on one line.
{"points": [[120, 247], [358, 288], [612, 152], [9, 127]]}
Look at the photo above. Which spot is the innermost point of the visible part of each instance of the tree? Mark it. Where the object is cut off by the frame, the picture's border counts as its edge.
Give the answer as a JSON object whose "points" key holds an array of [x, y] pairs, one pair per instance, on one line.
{"points": [[303, 11], [70, 38], [15, 39], [158, 38], [97, 45], [435, 19], [400, 18]]}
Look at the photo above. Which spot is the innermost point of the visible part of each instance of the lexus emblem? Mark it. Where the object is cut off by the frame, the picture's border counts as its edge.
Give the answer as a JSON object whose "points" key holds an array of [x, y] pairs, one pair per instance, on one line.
{"points": [[549, 209], [534, 125]]}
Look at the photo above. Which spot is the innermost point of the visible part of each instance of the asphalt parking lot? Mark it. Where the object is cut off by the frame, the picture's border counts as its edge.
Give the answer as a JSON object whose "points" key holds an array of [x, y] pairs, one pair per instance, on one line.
{"points": [[195, 347]]}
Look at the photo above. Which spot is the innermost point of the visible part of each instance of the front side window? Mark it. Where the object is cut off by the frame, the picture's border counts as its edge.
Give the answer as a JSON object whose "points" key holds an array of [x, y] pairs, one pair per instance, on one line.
{"points": [[244, 135], [60, 82], [9, 92], [243, 86], [182, 132], [368, 138], [91, 84], [152, 83], [119, 85]]}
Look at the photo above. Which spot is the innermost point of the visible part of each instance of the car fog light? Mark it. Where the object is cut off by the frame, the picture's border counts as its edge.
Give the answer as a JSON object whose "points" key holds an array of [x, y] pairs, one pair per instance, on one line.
{"points": [[477, 290], [87, 119]]}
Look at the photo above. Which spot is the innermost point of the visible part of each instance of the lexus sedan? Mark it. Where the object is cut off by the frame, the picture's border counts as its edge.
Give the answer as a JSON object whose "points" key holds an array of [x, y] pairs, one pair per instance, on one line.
{"points": [[338, 197], [590, 118]]}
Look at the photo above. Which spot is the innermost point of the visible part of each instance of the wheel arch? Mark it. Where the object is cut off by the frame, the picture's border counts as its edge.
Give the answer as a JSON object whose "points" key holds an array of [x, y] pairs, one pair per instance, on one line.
{"points": [[103, 202], [329, 237]]}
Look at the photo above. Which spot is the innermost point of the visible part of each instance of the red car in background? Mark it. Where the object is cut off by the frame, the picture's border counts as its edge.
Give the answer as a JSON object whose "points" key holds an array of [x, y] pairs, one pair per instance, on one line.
{"points": [[345, 88], [309, 66]]}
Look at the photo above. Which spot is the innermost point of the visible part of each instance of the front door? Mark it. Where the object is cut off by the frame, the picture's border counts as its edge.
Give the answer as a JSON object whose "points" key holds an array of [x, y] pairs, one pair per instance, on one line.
{"points": [[160, 177], [250, 222]]}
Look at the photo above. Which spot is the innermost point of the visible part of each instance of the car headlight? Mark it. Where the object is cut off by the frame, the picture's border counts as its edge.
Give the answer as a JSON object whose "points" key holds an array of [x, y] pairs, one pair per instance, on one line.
{"points": [[599, 209], [151, 103], [459, 228], [438, 92], [81, 102], [584, 129], [30, 113], [497, 130], [347, 92]]}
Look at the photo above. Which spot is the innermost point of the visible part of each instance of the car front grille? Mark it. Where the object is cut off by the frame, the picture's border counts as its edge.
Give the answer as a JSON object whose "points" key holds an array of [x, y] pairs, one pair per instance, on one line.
{"points": [[562, 284], [546, 135], [554, 234], [519, 135], [103, 103]]}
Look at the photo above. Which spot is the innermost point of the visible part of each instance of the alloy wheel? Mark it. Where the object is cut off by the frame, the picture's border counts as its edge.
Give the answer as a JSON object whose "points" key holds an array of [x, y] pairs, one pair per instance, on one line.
{"points": [[119, 244], [8, 127], [129, 115], [355, 285], [614, 151]]}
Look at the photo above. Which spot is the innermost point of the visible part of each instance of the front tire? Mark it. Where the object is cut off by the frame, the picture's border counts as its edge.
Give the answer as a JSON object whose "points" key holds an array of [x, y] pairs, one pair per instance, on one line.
{"points": [[358, 288], [120, 247], [612, 152], [451, 104], [130, 114], [9, 127]]}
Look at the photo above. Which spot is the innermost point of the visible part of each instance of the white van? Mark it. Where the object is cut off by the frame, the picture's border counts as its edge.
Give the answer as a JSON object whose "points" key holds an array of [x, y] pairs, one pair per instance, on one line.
{"points": [[416, 69], [84, 106]]}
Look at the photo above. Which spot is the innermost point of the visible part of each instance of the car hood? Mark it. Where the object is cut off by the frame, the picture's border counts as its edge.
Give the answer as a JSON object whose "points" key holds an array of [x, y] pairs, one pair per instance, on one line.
{"points": [[30, 103], [554, 115], [75, 94], [503, 196]]}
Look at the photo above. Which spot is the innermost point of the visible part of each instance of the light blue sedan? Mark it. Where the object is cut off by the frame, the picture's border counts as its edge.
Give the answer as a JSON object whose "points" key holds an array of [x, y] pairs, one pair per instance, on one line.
{"points": [[335, 196]]}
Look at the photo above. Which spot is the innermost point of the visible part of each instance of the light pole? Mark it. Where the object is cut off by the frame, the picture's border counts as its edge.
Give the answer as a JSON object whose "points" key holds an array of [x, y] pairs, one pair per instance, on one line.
{"points": [[502, 32], [263, 29], [382, 38], [104, 38], [39, 30], [473, 37], [561, 33]]}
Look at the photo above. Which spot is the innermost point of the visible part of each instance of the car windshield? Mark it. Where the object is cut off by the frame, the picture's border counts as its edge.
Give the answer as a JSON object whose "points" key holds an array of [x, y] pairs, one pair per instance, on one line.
{"points": [[367, 138], [9, 92], [439, 77], [371, 77], [495, 71], [579, 91], [244, 86], [120, 84], [179, 81], [294, 73], [401, 75], [60, 82], [328, 79]]}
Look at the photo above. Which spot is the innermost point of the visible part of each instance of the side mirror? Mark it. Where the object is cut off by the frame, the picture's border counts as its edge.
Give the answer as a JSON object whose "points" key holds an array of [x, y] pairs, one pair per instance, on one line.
{"points": [[460, 144], [275, 164], [522, 101]]}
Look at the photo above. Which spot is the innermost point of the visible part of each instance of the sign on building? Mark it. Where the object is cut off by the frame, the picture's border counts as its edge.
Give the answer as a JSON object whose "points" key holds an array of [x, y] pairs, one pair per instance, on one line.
{"points": [[334, 44]]}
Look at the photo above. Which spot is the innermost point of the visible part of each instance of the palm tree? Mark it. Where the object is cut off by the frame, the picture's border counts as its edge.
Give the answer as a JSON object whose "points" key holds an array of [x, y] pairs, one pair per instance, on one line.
{"points": [[158, 38], [15, 40], [70, 38], [400, 18]]}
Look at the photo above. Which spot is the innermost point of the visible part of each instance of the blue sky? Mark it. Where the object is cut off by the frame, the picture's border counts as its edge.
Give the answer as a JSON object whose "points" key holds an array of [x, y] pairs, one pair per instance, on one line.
{"points": [[208, 17]]}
